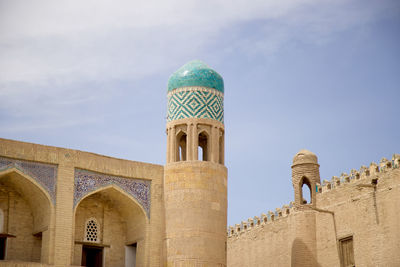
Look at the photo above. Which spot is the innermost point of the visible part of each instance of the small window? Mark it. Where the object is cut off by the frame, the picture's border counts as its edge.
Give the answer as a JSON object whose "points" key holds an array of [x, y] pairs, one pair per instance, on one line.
{"points": [[92, 230], [346, 252]]}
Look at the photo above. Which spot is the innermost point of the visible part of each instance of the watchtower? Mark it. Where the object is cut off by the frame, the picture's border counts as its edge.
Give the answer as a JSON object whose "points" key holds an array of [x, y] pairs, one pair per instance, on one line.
{"points": [[305, 172], [195, 178]]}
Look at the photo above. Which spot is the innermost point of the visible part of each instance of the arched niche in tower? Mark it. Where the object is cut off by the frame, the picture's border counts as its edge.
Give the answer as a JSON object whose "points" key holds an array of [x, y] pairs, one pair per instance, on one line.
{"points": [[181, 141], [221, 144], [305, 191], [203, 148]]}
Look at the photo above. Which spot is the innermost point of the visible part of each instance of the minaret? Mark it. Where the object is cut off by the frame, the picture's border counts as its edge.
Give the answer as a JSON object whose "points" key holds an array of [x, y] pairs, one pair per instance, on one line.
{"points": [[195, 178]]}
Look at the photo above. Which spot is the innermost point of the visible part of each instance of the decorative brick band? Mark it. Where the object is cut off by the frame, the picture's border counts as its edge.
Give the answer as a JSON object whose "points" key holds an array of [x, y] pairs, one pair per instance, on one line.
{"points": [[44, 174], [88, 181], [195, 102]]}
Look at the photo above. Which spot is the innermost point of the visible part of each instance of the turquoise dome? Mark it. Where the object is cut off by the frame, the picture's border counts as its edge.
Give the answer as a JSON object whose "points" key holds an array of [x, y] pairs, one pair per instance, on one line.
{"points": [[196, 73]]}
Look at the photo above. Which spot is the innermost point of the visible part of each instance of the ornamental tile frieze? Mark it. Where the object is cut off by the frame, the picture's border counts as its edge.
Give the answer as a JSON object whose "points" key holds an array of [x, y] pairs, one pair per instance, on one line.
{"points": [[195, 102], [88, 181], [43, 174]]}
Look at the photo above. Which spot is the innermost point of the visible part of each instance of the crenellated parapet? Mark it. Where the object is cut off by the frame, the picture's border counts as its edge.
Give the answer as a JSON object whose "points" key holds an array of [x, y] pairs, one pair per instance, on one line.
{"points": [[373, 171], [260, 221]]}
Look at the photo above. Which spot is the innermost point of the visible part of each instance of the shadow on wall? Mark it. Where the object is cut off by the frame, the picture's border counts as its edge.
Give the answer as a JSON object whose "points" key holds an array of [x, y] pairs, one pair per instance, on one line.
{"points": [[302, 256]]}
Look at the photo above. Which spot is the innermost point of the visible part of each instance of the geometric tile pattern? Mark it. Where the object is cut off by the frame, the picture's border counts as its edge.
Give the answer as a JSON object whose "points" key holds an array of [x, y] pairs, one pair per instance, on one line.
{"points": [[44, 174], [195, 102], [88, 181]]}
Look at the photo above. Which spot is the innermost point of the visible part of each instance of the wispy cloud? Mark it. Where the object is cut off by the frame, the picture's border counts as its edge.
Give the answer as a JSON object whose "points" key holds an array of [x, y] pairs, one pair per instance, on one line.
{"points": [[76, 40], [46, 46]]}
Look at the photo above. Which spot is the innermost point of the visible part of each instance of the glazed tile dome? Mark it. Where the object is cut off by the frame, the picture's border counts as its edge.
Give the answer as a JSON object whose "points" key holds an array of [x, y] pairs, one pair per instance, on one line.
{"points": [[196, 73]]}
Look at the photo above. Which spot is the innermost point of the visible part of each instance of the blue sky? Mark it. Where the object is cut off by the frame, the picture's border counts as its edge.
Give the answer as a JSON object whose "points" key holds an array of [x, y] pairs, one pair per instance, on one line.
{"points": [[321, 75]]}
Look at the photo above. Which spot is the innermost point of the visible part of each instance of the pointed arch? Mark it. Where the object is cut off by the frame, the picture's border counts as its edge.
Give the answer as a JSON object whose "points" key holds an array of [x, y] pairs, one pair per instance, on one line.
{"points": [[18, 174], [305, 185], [117, 189], [181, 142], [204, 143], [35, 194], [109, 218], [31, 199]]}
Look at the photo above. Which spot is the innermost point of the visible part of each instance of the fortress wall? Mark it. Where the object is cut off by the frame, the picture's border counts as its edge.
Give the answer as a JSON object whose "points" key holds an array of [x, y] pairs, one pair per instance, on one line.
{"points": [[349, 205], [264, 241], [282, 240], [371, 215]]}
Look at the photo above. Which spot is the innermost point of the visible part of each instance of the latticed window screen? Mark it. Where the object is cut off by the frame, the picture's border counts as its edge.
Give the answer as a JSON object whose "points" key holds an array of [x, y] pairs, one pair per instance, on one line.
{"points": [[346, 252], [92, 230]]}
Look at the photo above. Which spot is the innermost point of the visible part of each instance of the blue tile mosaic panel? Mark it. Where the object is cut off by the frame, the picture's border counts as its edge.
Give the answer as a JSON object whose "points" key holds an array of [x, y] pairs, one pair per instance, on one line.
{"points": [[195, 102], [88, 181], [44, 174]]}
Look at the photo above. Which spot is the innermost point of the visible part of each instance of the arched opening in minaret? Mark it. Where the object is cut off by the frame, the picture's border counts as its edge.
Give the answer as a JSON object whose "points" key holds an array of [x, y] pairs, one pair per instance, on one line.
{"points": [[305, 191], [221, 148], [203, 147], [181, 155]]}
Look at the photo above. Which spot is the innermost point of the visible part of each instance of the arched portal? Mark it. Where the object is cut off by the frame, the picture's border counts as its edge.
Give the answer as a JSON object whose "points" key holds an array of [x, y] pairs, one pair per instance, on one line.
{"points": [[110, 229], [27, 212]]}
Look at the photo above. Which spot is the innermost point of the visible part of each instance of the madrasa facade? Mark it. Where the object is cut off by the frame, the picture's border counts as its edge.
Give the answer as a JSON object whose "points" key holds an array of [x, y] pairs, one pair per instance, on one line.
{"points": [[64, 207]]}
